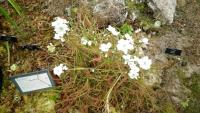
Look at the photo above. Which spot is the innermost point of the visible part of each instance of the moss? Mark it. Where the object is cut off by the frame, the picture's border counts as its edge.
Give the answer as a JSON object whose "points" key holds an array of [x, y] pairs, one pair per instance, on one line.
{"points": [[193, 84], [126, 28], [43, 102], [146, 22], [142, 7], [2, 51], [181, 74], [168, 108], [4, 109]]}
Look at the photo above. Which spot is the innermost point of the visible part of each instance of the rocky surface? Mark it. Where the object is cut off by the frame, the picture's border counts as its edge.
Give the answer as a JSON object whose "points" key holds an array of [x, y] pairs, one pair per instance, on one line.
{"points": [[2, 1], [54, 7], [164, 9], [177, 91], [173, 68], [110, 12]]}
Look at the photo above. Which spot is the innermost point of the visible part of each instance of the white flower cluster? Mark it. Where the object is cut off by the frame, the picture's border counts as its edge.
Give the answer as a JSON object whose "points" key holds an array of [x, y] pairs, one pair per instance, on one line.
{"points": [[145, 63], [60, 27], [125, 45], [133, 62], [58, 70], [86, 42]]}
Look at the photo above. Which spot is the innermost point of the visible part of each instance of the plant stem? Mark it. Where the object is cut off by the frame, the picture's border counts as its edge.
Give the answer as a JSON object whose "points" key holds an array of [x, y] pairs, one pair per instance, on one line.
{"points": [[107, 107]]}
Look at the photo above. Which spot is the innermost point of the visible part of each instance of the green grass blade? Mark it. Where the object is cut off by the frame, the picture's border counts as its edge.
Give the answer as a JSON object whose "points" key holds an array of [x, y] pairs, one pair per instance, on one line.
{"points": [[16, 7], [6, 14]]}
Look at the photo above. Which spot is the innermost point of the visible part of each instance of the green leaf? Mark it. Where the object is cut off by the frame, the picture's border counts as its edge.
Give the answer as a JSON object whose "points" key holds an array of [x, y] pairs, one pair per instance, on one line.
{"points": [[126, 28], [16, 7], [7, 16]]}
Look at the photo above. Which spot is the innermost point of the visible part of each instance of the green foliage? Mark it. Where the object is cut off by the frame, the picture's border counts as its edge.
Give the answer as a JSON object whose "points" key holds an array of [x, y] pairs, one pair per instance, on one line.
{"points": [[16, 7], [168, 108], [7, 16], [194, 85], [146, 22], [126, 28], [185, 103], [2, 51]]}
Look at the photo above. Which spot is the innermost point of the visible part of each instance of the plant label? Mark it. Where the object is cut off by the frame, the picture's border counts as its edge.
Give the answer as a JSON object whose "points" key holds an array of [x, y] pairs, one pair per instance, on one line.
{"points": [[33, 81], [172, 51]]}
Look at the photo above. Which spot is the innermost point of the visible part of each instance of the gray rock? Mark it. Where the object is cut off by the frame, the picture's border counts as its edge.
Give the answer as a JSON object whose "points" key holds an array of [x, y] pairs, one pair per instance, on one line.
{"points": [[54, 7], [133, 15], [153, 78], [112, 12], [173, 85], [2, 1], [164, 9]]}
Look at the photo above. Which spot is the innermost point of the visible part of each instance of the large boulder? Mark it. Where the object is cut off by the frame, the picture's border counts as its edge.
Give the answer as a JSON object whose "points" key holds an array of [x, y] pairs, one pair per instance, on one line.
{"points": [[164, 9], [110, 12]]}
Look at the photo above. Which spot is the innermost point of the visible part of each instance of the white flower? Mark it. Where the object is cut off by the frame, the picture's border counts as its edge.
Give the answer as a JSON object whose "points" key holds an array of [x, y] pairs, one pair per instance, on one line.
{"points": [[89, 43], [131, 61], [145, 63], [125, 45], [105, 47], [144, 40], [59, 37], [60, 27], [127, 58], [135, 59], [58, 70], [62, 39], [112, 30], [51, 48], [138, 30], [59, 20], [134, 72], [84, 41], [128, 37]]}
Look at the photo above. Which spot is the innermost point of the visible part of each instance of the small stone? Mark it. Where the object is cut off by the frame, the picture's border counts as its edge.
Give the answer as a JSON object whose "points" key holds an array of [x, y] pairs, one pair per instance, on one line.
{"points": [[157, 24]]}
